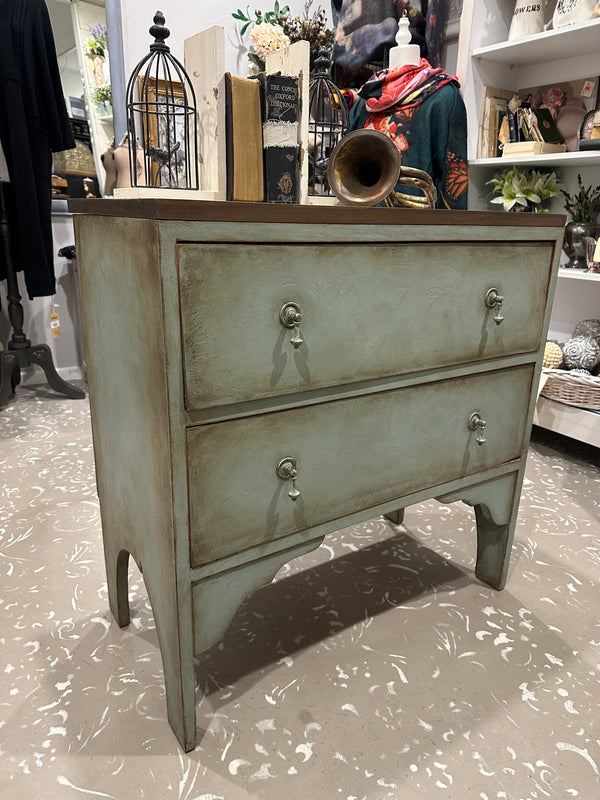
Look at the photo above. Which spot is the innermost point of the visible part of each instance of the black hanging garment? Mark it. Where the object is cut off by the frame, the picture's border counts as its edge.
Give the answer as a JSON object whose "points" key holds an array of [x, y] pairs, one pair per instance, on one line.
{"points": [[33, 124]]}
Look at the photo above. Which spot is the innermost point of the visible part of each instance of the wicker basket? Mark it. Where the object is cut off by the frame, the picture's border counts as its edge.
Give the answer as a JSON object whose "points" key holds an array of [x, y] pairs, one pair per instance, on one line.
{"points": [[574, 390]]}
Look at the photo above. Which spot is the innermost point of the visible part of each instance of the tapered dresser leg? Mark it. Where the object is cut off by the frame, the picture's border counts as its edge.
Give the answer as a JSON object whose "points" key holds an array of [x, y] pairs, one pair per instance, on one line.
{"points": [[496, 504], [177, 659], [174, 630], [395, 517], [117, 567], [494, 542], [180, 684]]}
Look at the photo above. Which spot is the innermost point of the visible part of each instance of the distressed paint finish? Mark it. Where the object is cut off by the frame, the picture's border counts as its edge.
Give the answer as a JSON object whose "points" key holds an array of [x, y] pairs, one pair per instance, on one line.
{"points": [[351, 454], [153, 454], [421, 298], [120, 285]]}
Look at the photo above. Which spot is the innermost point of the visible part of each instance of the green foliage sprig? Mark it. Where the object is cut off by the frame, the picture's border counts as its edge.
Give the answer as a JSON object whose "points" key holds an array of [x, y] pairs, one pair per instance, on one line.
{"points": [[272, 17], [584, 205], [518, 190]]}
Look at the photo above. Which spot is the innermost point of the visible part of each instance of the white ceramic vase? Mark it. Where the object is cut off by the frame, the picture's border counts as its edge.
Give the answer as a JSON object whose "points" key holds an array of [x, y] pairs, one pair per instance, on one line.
{"points": [[570, 12], [528, 18]]}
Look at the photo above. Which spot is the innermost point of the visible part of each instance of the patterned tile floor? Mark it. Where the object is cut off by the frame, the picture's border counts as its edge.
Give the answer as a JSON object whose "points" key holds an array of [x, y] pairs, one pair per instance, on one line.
{"points": [[375, 667]]}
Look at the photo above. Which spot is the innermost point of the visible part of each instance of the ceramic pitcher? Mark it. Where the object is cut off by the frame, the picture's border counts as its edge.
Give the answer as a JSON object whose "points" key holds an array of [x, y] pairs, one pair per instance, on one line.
{"points": [[528, 18], [570, 12]]}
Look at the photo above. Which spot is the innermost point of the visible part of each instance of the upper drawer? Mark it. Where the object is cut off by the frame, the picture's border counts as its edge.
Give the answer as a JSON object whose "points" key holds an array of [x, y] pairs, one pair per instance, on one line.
{"points": [[350, 454], [368, 311]]}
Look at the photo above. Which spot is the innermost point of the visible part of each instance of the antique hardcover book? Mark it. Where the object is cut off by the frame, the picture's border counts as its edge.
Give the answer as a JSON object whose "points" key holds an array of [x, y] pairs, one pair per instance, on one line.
{"points": [[243, 121], [493, 112], [281, 111]]}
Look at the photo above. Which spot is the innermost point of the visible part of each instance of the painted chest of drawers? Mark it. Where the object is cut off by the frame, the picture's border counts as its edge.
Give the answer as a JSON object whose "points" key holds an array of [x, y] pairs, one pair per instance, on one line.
{"points": [[260, 376]]}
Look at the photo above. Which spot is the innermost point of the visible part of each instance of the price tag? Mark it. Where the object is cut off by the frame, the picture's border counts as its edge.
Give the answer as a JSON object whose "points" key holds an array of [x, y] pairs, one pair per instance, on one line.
{"points": [[54, 321], [597, 251]]}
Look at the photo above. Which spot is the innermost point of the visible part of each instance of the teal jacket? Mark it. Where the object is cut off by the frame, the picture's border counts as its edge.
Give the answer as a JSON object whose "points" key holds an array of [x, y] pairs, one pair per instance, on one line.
{"points": [[431, 136]]}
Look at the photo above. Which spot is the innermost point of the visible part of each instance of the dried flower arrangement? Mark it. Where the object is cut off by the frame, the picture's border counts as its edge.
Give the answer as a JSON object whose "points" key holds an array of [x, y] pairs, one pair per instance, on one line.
{"points": [[278, 28]]}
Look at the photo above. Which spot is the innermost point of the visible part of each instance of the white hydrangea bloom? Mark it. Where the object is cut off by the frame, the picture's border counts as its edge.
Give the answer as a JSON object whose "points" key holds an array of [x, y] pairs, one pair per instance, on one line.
{"points": [[267, 38]]}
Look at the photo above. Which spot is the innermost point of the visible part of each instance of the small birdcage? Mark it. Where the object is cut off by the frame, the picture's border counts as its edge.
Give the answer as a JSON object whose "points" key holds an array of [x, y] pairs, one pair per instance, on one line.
{"points": [[161, 118], [328, 122]]}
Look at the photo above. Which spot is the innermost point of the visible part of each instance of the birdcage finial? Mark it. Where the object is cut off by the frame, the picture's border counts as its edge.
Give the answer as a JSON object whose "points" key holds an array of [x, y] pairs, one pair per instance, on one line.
{"points": [[160, 32], [322, 62]]}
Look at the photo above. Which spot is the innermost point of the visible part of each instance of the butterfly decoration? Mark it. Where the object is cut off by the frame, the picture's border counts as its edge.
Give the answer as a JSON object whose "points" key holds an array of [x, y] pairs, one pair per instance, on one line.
{"points": [[457, 178]]}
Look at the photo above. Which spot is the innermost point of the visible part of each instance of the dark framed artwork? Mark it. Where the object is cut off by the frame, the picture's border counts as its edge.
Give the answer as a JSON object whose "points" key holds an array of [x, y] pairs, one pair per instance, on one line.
{"points": [[166, 131]]}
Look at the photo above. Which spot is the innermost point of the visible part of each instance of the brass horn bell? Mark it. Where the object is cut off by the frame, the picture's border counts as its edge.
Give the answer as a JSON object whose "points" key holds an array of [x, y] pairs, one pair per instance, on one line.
{"points": [[364, 168]]}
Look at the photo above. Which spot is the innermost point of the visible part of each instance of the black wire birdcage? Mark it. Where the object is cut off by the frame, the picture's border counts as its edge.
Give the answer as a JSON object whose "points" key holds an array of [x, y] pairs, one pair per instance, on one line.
{"points": [[161, 118], [328, 122]]}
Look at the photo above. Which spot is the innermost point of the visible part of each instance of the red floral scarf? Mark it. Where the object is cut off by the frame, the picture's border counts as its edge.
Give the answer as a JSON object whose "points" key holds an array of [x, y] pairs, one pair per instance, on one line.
{"points": [[404, 87]]}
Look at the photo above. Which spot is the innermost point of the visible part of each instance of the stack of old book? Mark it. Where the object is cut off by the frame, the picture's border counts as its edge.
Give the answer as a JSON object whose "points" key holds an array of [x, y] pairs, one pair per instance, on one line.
{"points": [[511, 127], [261, 115], [531, 131]]}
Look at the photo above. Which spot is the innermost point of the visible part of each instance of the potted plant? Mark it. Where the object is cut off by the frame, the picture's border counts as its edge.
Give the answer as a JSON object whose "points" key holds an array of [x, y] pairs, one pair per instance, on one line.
{"points": [[102, 96], [524, 191], [583, 207]]}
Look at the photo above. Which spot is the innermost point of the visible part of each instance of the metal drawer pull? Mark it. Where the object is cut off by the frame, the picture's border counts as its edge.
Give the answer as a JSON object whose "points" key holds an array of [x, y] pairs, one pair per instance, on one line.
{"points": [[290, 316], [287, 470], [495, 300], [476, 423]]}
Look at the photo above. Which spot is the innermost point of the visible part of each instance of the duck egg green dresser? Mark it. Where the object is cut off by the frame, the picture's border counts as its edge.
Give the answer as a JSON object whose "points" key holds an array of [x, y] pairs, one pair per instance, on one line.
{"points": [[261, 375]]}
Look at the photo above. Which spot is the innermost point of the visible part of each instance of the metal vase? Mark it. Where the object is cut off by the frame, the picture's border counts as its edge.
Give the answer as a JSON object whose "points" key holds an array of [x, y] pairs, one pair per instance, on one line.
{"points": [[574, 245]]}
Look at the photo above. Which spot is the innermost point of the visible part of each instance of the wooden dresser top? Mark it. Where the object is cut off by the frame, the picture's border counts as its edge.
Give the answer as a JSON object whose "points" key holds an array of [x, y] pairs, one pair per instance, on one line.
{"points": [[218, 211]]}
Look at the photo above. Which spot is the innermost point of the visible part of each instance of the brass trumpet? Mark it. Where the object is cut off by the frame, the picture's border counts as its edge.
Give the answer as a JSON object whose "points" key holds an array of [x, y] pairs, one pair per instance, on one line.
{"points": [[364, 168]]}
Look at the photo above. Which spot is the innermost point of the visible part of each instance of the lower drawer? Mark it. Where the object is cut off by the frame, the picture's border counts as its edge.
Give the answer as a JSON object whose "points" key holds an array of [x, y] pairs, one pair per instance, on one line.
{"points": [[350, 454]]}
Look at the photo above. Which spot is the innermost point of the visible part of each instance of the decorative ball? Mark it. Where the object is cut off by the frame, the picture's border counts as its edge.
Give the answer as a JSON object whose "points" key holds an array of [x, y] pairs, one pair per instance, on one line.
{"points": [[589, 328], [581, 353], [553, 355]]}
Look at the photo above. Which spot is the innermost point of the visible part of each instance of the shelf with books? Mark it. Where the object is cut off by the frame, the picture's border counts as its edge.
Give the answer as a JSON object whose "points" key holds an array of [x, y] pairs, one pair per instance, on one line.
{"points": [[532, 119], [555, 57]]}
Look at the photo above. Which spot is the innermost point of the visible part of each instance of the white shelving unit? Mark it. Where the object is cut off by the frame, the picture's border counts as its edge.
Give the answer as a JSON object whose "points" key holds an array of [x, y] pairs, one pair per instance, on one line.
{"points": [[86, 14], [486, 58]]}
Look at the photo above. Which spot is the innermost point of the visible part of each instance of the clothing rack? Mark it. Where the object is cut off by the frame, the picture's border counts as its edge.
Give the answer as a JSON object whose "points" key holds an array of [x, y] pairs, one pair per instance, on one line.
{"points": [[20, 353]]}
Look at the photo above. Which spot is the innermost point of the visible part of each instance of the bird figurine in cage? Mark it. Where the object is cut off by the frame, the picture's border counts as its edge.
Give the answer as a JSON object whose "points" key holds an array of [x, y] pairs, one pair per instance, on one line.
{"points": [[328, 122], [162, 119]]}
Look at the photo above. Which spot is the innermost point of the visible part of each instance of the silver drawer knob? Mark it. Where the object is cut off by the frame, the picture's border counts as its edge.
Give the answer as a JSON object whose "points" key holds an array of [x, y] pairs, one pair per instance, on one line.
{"points": [[287, 470], [290, 316], [493, 299], [476, 423]]}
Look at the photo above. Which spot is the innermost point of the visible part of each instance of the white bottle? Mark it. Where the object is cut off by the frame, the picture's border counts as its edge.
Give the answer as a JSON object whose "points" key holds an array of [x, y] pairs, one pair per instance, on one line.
{"points": [[404, 53]]}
